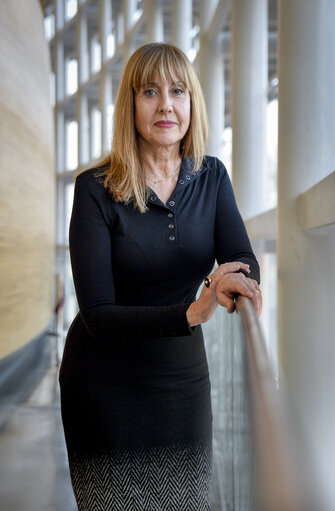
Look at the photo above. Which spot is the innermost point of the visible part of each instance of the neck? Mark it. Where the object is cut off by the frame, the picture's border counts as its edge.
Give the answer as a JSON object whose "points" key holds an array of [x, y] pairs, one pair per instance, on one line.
{"points": [[160, 162]]}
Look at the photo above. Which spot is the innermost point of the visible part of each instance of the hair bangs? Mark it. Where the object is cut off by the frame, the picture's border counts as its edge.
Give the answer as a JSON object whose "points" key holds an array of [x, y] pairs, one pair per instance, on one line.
{"points": [[166, 65]]}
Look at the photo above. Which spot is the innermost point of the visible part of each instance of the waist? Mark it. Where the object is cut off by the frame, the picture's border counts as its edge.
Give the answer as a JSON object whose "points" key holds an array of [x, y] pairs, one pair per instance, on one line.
{"points": [[170, 356]]}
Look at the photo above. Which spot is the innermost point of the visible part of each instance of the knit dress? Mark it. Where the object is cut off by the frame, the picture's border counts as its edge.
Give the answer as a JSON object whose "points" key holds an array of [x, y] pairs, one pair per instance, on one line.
{"points": [[135, 389]]}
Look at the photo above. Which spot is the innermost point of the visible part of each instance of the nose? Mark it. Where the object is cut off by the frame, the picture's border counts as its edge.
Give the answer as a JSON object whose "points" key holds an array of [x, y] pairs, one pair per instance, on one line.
{"points": [[165, 104]]}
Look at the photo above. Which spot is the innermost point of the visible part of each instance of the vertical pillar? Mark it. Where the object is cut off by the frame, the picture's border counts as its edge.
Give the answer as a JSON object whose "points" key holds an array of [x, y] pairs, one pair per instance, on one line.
{"points": [[105, 21], [60, 68], [94, 131], [60, 138], [60, 232], [82, 47], [128, 16], [119, 29], [66, 142], [91, 130], [153, 10], [105, 99], [249, 102], [306, 154], [212, 78], [81, 99], [181, 24], [94, 41], [83, 127], [105, 82], [60, 14]]}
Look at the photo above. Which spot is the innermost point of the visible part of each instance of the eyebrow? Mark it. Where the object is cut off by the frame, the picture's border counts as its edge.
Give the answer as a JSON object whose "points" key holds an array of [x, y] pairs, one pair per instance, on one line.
{"points": [[154, 84]]}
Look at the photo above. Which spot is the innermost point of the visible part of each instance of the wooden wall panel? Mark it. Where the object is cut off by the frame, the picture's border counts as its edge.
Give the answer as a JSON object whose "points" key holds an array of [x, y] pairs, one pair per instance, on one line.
{"points": [[27, 176]]}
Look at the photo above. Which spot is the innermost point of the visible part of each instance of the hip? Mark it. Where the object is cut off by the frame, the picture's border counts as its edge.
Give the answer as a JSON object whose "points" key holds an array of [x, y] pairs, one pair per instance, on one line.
{"points": [[146, 361]]}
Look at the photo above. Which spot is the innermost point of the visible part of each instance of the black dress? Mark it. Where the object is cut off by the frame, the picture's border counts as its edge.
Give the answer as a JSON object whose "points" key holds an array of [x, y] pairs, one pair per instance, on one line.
{"points": [[135, 391]]}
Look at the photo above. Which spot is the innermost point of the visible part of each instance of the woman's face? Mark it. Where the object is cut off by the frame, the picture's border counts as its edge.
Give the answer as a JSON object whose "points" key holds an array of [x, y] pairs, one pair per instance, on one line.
{"points": [[162, 113]]}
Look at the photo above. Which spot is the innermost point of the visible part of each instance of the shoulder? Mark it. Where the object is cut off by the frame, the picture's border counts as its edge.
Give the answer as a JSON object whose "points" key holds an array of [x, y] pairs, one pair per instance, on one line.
{"points": [[90, 177], [91, 194], [212, 168], [214, 165], [91, 180], [90, 189]]}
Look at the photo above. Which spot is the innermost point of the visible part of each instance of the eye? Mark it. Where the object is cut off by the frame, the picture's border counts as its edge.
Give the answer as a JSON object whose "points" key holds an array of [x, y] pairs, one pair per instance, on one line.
{"points": [[178, 91], [149, 92]]}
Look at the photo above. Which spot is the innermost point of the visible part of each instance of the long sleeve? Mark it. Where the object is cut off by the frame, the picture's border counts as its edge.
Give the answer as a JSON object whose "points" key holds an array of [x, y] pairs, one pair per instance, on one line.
{"points": [[231, 239], [91, 259]]}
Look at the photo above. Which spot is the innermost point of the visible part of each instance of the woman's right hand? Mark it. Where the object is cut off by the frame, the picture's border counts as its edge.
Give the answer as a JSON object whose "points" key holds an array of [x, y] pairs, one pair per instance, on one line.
{"points": [[204, 307]]}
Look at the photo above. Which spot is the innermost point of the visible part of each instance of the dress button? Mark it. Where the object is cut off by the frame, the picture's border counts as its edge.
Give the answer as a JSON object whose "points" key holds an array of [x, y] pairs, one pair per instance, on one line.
{"points": [[153, 197], [172, 203], [172, 238], [181, 181], [188, 177], [170, 215], [171, 226]]}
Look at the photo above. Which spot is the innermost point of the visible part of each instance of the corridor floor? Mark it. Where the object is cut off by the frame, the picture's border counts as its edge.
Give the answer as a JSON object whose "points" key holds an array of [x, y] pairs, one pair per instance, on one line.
{"points": [[33, 465]]}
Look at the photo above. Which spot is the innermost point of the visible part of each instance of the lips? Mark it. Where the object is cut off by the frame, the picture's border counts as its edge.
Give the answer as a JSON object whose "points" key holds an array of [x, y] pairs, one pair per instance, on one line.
{"points": [[165, 124]]}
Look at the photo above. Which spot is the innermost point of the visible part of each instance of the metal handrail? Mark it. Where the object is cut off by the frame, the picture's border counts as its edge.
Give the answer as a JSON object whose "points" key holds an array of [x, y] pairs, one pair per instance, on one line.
{"points": [[278, 485]]}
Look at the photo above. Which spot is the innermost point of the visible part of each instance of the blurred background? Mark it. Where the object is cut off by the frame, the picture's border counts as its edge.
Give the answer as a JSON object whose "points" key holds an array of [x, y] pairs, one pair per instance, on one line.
{"points": [[268, 74]]}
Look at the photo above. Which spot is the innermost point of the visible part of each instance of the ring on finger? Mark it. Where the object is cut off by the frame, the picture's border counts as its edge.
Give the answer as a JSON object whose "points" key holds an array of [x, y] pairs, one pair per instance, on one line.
{"points": [[207, 281]]}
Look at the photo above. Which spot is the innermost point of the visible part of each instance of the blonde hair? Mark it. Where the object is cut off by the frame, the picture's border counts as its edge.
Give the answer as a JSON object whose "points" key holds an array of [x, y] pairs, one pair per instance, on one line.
{"points": [[122, 169]]}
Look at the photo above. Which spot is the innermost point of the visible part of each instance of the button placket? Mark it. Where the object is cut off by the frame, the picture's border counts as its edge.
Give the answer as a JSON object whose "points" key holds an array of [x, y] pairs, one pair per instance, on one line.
{"points": [[171, 225]]}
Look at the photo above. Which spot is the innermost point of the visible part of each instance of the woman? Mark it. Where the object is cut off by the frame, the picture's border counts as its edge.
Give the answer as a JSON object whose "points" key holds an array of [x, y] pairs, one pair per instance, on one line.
{"points": [[146, 229]]}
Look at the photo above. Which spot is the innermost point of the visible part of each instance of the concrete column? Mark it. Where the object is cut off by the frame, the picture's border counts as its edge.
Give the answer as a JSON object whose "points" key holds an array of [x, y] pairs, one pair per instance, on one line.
{"points": [[119, 36], [60, 139], [60, 69], [82, 47], [153, 10], [129, 7], [249, 102], [105, 99], [60, 14], [94, 132], [66, 142], [105, 21], [60, 229], [306, 270], [83, 128], [207, 10], [105, 81], [92, 48], [211, 73], [181, 24]]}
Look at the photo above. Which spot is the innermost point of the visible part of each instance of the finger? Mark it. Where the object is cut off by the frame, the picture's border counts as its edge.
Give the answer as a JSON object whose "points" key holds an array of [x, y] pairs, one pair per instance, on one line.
{"points": [[233, 267], [226, 301], [234, 283], [226, 268], [257, 297], [257, 302]]}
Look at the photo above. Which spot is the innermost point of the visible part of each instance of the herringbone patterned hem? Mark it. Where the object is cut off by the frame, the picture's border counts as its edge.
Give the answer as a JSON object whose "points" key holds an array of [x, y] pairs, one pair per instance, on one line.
{"points": [[174, 478]]}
